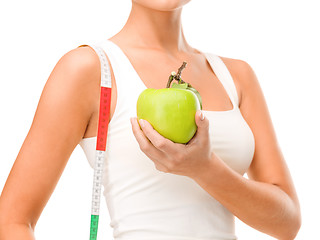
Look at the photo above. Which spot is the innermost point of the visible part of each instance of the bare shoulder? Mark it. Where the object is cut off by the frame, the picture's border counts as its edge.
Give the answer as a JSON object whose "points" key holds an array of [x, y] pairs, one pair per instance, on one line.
{"points": [[81, 60], [242, 74], [77, 74], [238, 67]]}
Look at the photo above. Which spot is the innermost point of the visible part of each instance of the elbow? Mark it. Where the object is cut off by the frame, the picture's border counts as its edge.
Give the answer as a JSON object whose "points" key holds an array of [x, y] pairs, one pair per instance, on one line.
{"points": [[295, 228], [290, 232], [12, 227], [293, 221], [296, 223]]}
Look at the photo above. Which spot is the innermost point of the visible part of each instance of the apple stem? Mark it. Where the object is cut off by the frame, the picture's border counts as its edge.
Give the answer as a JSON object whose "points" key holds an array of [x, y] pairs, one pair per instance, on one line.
{"points": [[176, 76], [183, 66]]}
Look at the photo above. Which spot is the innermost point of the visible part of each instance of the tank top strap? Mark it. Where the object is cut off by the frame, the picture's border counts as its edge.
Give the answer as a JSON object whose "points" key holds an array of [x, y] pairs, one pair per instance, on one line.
{"points": [[128, 85], [223, 74]]}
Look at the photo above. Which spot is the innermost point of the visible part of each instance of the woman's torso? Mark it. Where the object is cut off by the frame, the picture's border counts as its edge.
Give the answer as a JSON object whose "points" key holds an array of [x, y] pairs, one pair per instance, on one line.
{"points": [[145, 203]]}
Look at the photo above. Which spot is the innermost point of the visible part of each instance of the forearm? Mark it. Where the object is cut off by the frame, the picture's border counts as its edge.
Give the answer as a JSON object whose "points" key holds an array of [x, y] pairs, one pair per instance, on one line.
{"points": [[16, 232], [263, 206]]}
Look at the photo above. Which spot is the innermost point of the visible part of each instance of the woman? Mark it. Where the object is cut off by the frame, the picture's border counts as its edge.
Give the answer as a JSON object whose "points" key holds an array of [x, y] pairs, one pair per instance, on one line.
{"points": [[154, 188]]}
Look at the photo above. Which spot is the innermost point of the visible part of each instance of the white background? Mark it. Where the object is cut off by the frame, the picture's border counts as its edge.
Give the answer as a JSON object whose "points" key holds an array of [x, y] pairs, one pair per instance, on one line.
{"points": [[277, 38]]}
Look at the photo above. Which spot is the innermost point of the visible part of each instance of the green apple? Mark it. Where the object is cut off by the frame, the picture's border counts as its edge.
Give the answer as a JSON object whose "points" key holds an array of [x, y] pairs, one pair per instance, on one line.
{"points": [[171, 111]]}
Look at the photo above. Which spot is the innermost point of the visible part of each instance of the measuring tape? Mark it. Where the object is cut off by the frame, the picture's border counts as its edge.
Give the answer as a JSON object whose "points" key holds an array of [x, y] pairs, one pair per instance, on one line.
{"points": [[104, 112]]}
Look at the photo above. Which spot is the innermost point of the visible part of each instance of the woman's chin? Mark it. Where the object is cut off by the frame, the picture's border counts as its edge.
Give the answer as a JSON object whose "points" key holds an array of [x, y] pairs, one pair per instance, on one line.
{"points": [[162, 5]]}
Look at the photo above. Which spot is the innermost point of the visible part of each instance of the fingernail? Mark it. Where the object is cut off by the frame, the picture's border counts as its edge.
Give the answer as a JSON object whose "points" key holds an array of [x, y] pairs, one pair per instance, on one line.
{"points": [[201, 115], [141, 122]]}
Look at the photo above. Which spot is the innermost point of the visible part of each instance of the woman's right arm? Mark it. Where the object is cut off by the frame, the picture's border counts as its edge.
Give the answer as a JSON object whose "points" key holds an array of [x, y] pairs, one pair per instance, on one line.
{"points": [[65, 107]]}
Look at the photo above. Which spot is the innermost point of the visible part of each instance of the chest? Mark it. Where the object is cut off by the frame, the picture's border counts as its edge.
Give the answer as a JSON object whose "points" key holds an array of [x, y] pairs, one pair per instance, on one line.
{"points": [[231, 138], [198, 73]]}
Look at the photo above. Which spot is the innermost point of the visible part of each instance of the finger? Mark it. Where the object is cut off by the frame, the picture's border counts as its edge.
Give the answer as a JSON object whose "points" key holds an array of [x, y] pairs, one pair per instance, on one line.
{"points": [[202, 125], [145, 145], [160, 142], [152, 153]]}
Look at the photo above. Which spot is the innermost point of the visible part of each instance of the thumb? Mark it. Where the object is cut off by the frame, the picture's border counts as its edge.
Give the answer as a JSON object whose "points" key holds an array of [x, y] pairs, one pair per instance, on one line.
{"points": [[202, 122]]}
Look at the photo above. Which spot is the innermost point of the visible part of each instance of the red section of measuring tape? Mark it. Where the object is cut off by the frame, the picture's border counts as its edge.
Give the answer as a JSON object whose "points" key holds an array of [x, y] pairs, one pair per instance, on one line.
{"points": [[104, 113]]}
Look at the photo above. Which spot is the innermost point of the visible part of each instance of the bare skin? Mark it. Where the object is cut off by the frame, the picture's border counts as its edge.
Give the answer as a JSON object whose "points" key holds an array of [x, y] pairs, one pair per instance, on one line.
{"points": [[73, 115]]}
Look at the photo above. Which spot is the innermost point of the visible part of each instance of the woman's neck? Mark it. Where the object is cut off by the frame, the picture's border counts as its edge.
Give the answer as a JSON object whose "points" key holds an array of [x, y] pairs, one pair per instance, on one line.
{"points": [[152, 29]]}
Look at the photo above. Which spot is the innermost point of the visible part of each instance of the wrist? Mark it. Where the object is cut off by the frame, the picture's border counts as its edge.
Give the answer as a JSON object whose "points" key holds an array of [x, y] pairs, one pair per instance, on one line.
{"points": [[209, 171]]}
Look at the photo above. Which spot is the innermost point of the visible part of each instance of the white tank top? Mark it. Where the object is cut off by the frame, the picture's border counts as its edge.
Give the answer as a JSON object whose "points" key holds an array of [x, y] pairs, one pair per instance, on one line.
{"points": [[147, 204]]}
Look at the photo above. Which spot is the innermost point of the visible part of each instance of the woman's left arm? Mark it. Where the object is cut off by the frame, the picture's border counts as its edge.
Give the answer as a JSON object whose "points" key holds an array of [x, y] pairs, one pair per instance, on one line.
{"points": [[267, 201]]}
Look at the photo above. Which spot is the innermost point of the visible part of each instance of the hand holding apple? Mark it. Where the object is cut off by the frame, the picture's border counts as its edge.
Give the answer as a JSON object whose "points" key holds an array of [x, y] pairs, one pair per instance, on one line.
{"points": [[190, 159]]}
